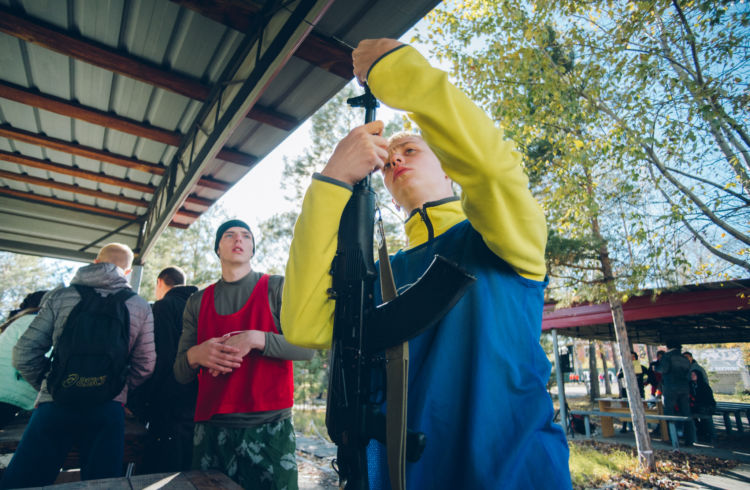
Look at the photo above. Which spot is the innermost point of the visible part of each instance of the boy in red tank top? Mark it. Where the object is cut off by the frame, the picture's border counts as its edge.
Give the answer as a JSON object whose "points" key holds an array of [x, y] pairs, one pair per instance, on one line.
{"points": [[232, 342]]}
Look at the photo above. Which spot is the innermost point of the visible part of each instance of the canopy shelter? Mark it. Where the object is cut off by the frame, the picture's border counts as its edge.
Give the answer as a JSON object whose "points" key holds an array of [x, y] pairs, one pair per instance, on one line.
{"points": [[121, 117], [705, 313]]}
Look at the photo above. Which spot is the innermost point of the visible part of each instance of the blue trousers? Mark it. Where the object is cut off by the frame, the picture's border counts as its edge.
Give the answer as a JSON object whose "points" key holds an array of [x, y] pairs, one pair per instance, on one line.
{"points": [[98, 432]]}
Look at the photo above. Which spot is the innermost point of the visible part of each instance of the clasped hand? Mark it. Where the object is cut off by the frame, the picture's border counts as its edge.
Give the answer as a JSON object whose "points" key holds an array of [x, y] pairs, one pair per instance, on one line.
{"points": [[221, 355]]}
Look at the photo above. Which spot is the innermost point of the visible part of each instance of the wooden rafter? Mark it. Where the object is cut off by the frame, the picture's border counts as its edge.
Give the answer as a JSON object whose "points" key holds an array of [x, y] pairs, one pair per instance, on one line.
{"points": [[67, 204], [76, 189], [74, 172], [80, 150], [273, 118], [188, 214], [237, 157], [215, 184], [200, 201], [327, 54], [237, 14], [94, 116], [96, 154], [97, 54]]}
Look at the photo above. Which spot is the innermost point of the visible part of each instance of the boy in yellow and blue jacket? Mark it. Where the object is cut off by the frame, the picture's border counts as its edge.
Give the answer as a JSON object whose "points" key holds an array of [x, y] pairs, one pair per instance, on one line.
{"points": [[477, 381]]}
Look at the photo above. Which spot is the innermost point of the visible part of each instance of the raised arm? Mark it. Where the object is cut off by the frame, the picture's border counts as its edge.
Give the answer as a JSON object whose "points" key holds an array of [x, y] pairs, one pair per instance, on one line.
{"points": [[471, 149]]}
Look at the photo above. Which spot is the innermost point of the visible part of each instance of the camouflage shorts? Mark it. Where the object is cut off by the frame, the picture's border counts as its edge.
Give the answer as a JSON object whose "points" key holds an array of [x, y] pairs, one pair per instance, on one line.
{"points": [[259, 457]]}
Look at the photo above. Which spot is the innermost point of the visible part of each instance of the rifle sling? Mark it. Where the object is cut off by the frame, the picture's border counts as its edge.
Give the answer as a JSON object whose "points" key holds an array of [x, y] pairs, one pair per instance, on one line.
{"points": [[397, 372]]}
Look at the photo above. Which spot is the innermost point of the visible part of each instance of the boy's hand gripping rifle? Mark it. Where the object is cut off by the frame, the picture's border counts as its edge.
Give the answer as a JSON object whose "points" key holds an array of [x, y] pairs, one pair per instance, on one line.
{"points": [[362, 332]]}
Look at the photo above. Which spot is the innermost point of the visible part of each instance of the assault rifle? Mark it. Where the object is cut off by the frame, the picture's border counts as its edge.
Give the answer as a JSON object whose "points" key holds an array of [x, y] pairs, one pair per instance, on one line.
{"points": [[362, 331]]}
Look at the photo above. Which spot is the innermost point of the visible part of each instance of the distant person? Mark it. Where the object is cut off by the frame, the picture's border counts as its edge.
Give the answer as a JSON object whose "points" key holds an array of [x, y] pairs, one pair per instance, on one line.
{"points": [[97, 429], [674, 368], [168, 407], [694, 366], [653, 376], [703, 404], [16, 394], [640, 371], [232, 342]]}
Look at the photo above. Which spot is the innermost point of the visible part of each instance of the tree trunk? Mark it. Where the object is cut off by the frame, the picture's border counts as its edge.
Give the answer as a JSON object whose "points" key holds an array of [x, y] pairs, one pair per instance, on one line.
{"points": [[607, 384], [640, 429], [593, 373]]}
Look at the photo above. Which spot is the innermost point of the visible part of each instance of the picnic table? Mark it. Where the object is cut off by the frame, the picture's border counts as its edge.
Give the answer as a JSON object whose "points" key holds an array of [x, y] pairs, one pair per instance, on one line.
{"points": [[652, 406]]}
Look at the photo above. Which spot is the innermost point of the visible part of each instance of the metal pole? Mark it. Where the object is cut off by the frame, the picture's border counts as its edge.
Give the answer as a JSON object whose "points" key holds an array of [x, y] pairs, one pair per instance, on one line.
{"points": [[135, 277], [560, 384]]}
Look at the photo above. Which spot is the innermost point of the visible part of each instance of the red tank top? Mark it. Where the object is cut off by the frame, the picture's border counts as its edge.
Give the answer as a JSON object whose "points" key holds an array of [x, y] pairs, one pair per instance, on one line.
{"points": [[260, 383]]}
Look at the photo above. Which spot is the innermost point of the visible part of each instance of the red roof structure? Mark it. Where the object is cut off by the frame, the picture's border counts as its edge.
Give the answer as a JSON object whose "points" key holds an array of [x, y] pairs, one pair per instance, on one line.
{"points": [[706, 313]]}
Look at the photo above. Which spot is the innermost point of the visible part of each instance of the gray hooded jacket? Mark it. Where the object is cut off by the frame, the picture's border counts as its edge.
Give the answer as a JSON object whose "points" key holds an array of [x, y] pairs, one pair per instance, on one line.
{"points": [[28, 354]]}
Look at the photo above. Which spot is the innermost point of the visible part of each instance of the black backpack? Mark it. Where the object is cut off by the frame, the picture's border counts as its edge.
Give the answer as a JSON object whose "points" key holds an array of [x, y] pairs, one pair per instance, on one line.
{"points": [[90, 360]]}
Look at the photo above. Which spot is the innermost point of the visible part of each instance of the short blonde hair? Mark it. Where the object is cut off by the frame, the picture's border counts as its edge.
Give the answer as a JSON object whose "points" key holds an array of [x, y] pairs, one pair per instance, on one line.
{"points": [[116, 253]]}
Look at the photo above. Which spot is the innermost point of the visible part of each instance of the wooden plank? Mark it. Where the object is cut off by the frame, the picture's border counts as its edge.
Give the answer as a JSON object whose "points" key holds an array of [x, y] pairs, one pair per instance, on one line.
{"points": [[118, 61], [76, 189], [237, 157], [273, 118], [327, 54], [190, 480], [79, 150], [94, 116], [67, 204], [74, 172]]}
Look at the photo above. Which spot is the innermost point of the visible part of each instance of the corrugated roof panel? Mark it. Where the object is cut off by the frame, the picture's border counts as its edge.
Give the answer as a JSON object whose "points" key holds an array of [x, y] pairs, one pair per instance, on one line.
{"points": [[11, 59], [52, 11], [50, 71], [194, 44], [99, 20], [18, 115], [149, 28], [165, 109], [92, 86], [86, 134]]}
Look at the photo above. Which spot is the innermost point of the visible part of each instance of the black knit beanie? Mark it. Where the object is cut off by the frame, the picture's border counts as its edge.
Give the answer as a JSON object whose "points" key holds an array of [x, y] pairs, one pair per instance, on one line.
{"points": [[231, 224]]}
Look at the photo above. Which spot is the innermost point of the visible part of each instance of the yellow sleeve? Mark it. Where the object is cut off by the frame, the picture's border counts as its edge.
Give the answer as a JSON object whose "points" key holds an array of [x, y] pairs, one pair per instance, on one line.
{"points": [[473, 153], [306, 310]]}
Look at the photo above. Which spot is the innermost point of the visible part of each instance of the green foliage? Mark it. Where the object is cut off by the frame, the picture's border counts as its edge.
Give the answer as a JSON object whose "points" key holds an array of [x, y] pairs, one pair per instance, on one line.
{"points": [[21, 275], [311, 379], [629, 117]]}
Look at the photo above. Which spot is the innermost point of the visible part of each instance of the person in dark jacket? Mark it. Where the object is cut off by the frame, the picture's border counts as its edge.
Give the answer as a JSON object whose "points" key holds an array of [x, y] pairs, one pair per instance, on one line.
{"points": [[166, 406], [674, 369], [702, 403]]}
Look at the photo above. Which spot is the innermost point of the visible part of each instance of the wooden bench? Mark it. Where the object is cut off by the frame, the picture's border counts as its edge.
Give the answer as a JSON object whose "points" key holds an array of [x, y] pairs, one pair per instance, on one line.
{"points": [[726, 408], [671, 420]]}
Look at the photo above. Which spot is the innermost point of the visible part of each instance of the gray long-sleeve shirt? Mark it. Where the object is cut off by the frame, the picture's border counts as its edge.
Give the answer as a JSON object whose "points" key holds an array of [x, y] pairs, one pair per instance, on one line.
{"points": [[230, 297]]}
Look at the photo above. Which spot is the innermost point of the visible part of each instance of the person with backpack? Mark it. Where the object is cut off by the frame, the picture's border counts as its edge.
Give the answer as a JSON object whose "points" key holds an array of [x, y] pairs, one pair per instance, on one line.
{"points": [[233, 343], [102, 340], [16, 394], [674, 369]]}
